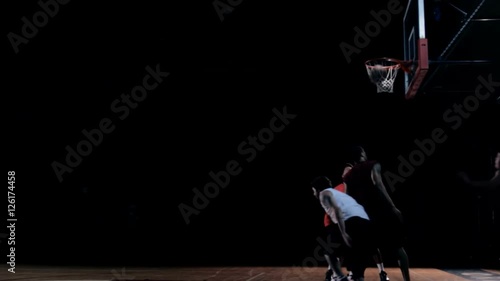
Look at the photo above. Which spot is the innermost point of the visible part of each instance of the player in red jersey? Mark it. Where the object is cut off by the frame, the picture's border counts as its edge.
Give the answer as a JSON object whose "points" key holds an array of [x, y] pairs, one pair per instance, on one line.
{"points": [[363, 182]]}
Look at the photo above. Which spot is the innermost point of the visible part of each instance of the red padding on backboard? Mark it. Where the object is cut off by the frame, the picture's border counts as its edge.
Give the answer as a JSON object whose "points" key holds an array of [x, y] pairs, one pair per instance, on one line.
{"points": [[422, 68]]}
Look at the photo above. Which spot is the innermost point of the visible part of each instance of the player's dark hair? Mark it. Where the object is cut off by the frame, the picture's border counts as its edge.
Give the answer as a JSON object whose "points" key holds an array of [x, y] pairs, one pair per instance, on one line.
{"points": [[354, 154], [321, 183]]}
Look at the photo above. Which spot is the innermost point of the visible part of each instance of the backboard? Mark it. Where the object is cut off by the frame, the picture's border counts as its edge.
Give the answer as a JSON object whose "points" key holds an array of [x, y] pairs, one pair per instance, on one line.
{"points": [[415, 46], [450, 44]]}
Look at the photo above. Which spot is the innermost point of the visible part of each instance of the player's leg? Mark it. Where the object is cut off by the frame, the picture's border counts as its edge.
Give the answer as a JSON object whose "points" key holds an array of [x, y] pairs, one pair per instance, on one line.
{"points": [[333, 255], [334, 271], [393, 237], [377, 258], [373, 246], [348, 268], [399, 238], [404, 264], [362, 248], [329, 272], [330, 258]]}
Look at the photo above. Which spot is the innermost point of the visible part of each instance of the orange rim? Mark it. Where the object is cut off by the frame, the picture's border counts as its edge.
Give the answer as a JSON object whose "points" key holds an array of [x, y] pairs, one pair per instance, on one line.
{"points": [[405, 65]]}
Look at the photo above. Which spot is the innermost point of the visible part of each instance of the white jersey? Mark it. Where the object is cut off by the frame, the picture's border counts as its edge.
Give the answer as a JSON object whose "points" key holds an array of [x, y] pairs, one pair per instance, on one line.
{"points": [[348, 207]]}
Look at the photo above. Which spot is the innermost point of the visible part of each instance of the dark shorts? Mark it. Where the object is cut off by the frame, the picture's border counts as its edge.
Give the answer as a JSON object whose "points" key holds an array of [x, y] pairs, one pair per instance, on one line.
{"points": [[361, 233], [363, 246]]}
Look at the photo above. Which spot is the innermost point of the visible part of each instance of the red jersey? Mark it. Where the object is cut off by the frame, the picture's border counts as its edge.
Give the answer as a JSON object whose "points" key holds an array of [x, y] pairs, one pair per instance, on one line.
{"points": [[327, 220], [364, 191]]}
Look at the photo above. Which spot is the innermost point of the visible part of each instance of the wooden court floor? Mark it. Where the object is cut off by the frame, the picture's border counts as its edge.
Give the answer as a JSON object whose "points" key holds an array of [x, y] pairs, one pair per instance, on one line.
{"points": [[34, 273]]}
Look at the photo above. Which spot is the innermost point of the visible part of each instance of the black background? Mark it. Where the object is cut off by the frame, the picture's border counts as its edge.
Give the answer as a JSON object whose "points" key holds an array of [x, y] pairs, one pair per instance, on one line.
{"points": [[120, 205]]}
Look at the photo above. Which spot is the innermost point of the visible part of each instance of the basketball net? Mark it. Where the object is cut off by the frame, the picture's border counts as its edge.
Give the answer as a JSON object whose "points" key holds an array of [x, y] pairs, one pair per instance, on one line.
{"points": [[383, 72]]}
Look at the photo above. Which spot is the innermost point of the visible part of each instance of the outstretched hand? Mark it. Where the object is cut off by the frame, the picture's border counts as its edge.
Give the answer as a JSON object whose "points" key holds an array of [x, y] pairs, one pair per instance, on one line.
{"points": [[347, 239]]}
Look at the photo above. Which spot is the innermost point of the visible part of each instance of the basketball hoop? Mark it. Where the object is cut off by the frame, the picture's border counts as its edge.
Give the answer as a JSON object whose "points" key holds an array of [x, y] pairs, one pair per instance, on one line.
{"points": [[383, 72]]}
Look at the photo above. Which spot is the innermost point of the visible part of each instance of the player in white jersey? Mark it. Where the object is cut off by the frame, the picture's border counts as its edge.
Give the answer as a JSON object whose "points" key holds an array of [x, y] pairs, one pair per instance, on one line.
{"points": [[353, 223]]}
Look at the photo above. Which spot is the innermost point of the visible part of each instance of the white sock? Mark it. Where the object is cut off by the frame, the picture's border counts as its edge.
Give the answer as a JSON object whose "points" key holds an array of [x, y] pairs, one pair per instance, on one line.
{"points": [[380, 267], [327, 258]]}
